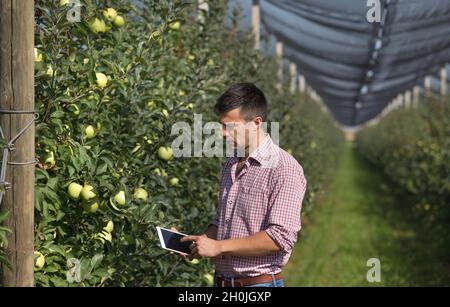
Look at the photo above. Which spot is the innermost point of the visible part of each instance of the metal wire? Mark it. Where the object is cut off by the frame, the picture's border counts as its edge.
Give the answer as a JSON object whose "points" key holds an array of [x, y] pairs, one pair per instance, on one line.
{"points": [[10, 146]]}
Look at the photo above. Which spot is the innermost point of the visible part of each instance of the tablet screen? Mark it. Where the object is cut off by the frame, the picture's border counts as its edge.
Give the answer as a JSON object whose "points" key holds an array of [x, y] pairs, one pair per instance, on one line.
{"points": [[172, 241]]}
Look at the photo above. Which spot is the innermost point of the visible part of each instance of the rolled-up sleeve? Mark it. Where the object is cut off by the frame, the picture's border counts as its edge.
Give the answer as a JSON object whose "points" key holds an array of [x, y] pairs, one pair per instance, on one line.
{"points": [[285, 204]]}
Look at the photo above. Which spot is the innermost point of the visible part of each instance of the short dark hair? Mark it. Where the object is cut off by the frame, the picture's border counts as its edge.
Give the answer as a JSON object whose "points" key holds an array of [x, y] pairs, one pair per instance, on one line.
{"points": [[247, 97]]}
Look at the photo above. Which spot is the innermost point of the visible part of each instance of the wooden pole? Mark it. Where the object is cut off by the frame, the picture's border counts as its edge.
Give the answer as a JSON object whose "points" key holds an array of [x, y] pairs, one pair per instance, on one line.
{"points": [[256, 22], [408, 99], [279, 53], [416, 96], [302, 83], [444, 80], [293, 76], [17, 93], [427, 85]]}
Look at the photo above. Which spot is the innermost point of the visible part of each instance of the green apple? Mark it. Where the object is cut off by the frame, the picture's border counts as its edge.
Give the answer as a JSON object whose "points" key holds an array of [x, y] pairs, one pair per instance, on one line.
{"points": [[74, 190], [49, 71], [210, 62], [119, 21], [104, 235], [87, 193], [97, 26], [165, 153], [140, 193], [151, 104], [89, 132], [37, 55], [190, 106], [102, 79], [50, 159], [175, 25], [120, 198], [181, 93], [165, 113], [109, 226], [194, 261], [74, 109], [209, 279], [91, 207], [39, 260], [110, 14], [63, 2], [173, 181]]}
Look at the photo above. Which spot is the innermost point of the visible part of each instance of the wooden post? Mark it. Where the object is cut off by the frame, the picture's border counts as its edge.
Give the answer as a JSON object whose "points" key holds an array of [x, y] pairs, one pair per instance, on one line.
{"points": [[293, 76], [444, 80], [401, 100], [301, 83], [416, 96], [279, 53], [427, 85], [256, 22], [408, 99], [17, 93]]}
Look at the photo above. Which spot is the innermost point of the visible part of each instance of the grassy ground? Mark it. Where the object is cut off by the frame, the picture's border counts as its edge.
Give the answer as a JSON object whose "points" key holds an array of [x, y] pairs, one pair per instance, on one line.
{"points": [[358, 220]]}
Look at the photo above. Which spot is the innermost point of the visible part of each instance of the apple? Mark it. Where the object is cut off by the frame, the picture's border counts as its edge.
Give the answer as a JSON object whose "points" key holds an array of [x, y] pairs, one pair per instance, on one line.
{"points": [[109, 226], [140, 193], [151, 104], [63, 2], [39, 260], [50, 159], [119, 21], [209, 279], [173, 181], [110, 14], [102, 80], [120, 198], [74, 190], [194, 261], [87, 193], [175, 25], [181, 93], [210, 62], [165, 153], [165, 113], [49, 71], [85, 61], [90, 207], [104, 235], [97, 26], [37, 55], [89, 132], [190, 106], [74, 109], [191, 57]]}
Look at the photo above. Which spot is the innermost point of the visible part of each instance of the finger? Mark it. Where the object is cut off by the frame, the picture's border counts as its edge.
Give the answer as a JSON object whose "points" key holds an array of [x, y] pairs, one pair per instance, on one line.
{"points": [[189, 238], [194, 250], [192, 245]]}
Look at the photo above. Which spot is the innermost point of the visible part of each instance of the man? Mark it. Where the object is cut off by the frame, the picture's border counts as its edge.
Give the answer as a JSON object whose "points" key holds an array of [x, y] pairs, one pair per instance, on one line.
{"points": [[261, 192]]}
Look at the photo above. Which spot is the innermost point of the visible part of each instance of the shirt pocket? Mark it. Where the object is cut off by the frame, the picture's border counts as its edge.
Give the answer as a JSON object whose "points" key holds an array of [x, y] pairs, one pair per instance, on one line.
{"points": [[251, 206]]}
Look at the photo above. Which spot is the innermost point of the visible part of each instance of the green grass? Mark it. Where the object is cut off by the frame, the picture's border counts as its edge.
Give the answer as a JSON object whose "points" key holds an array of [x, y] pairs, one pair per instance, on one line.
{"points": [[357, 220]]}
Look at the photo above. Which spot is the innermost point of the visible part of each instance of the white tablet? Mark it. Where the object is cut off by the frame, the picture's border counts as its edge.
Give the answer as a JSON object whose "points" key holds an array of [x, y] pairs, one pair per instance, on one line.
{"points": [[170, 240]]}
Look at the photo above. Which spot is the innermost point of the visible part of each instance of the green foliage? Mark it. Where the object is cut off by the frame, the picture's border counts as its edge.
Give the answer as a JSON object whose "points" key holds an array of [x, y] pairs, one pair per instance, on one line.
{"points": [[156, 76], [412, 148]]}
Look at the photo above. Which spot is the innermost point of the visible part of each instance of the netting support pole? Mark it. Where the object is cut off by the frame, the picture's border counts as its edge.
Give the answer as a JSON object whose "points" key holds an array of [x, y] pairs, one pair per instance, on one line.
{"points": [[293, 76], [279, 54], [256, 22], [443, 80], [17, 93]]}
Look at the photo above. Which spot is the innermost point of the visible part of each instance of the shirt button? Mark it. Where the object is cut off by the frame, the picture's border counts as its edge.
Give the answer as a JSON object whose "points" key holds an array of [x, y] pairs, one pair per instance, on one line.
{"points": [[227, 221]]}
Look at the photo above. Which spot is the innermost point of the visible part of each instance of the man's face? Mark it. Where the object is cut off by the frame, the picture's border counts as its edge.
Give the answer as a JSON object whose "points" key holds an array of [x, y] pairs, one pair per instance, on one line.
{"points": [[236, 130]]}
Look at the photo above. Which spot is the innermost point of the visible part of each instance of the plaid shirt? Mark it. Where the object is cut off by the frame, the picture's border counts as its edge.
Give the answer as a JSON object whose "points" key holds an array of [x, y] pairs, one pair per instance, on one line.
{"points": [[266, 196]]}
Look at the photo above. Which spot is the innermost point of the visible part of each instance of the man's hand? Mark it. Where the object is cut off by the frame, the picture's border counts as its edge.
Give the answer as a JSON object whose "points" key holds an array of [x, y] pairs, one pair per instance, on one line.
{"points": [[202, 246]]}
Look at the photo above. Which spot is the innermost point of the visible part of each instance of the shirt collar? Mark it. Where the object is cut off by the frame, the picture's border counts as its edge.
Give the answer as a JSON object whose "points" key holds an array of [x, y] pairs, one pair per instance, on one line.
{"points": [[262, 152]]}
